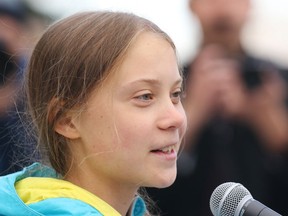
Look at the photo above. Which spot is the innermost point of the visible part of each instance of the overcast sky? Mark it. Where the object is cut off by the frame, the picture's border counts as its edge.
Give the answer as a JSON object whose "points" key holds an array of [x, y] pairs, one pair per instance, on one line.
{"points": [[266, 35]]}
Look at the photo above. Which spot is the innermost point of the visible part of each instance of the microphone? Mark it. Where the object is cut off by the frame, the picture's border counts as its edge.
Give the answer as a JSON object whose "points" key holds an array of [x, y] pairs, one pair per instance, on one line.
{"points": [[233, 199]]}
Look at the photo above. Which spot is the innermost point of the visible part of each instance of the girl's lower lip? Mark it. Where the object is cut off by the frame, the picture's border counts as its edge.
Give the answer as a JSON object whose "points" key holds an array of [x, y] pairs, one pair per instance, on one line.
{"points": [[168, 156]]}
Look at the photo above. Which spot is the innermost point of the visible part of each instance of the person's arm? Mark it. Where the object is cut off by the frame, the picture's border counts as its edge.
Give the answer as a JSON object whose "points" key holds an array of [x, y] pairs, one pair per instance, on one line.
{"points": [[208, 74], [268, 113]]}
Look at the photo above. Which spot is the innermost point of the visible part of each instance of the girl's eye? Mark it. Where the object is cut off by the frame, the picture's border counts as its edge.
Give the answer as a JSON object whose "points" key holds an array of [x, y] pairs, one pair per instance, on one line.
{"points": [[145, 97], [176, 96]]}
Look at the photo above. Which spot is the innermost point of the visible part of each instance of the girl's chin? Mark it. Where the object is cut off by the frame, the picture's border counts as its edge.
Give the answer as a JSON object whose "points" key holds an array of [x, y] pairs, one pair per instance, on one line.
{"points": [[164, 182], [166, 185]]}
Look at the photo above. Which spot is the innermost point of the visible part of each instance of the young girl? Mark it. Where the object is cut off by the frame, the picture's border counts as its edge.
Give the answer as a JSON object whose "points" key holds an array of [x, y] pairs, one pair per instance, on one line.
{"points": [[104, 93]]}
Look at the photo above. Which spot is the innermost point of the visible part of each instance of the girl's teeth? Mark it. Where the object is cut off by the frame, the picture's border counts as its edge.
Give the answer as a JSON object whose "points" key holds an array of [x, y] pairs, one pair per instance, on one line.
{"points": [[168, 149]]}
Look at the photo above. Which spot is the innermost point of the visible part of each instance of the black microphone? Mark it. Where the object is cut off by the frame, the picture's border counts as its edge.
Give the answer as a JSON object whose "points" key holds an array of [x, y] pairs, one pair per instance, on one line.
{"points": [[233, 199]]}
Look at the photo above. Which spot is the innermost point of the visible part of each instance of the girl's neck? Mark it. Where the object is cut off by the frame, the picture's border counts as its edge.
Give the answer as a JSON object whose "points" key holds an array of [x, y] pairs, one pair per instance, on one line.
{"points": [[114, 193]]}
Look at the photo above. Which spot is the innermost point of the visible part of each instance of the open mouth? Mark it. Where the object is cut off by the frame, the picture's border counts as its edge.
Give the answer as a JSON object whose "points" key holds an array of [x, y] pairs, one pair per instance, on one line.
{"points": [[165, 150]]}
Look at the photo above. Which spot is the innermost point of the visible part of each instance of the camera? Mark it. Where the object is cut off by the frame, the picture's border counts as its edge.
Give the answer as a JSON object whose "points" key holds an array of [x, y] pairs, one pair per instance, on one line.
{"points": [[252, 72]]}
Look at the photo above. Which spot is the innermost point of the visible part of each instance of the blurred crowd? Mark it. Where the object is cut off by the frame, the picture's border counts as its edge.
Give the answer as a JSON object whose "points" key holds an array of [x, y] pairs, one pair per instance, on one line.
{"points": [[20, 28]]}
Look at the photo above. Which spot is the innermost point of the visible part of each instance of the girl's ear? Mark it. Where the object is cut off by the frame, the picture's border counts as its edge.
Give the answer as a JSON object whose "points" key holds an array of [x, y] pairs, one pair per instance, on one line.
{"points": [[65, 126]]}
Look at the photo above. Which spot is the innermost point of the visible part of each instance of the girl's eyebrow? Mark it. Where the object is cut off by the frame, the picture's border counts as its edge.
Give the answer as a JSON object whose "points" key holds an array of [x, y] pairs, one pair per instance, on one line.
{"points": [[153, 82]]}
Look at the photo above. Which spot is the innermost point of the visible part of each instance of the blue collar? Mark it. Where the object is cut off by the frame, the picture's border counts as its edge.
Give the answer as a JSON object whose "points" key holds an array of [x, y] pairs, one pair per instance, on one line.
{"points": [[138, 207]]}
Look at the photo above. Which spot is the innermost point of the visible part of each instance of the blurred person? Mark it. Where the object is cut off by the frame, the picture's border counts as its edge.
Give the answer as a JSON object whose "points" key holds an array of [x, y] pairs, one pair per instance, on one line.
{"points": [[13, 57], [237, 118]]}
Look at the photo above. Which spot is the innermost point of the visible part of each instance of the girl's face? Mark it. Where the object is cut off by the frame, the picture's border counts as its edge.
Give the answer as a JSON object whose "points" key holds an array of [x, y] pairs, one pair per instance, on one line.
{"points": [[131, 131]]}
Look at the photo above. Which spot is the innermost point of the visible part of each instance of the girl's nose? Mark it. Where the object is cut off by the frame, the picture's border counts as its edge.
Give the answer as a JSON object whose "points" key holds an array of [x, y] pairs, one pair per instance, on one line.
{"points": [[172, 117]]}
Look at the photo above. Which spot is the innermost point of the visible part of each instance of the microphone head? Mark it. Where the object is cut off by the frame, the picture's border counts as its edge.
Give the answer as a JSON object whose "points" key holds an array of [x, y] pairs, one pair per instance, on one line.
{"points": [[227, 198]]}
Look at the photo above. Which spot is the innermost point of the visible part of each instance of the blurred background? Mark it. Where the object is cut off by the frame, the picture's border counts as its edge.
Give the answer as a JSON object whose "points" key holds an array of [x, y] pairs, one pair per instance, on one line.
{"points": [[265, 35]]}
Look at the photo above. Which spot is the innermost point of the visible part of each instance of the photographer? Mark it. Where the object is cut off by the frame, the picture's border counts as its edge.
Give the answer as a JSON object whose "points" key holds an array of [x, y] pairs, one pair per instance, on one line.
{"points": [[237, 118], [12, 63]]}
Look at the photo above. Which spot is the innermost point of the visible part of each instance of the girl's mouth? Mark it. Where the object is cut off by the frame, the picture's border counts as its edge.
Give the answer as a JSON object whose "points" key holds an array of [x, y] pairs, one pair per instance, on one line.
{"points": [[166, 150]]}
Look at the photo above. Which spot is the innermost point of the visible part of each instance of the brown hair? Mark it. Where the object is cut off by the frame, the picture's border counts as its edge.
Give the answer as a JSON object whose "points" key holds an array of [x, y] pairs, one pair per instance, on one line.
{"points": [[70, 60]]}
